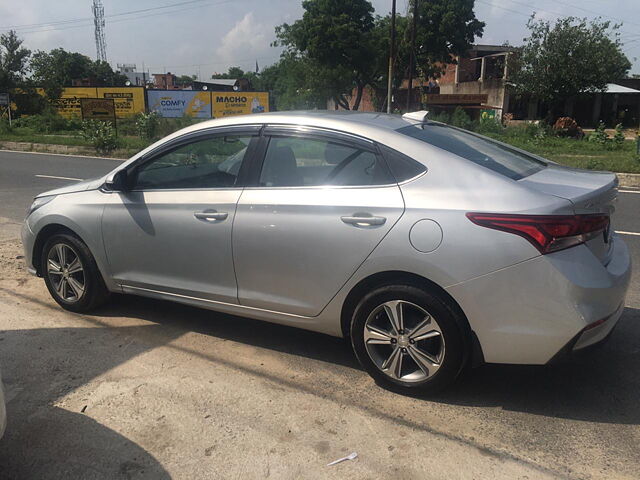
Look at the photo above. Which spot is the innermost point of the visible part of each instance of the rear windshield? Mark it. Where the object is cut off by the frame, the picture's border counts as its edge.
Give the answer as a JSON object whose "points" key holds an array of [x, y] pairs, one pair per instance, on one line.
{"points": [[481, 150]]}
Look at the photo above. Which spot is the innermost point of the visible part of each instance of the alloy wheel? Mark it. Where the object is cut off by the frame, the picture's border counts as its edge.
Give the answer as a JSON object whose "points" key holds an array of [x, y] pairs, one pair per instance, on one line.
{"points": [[404, 341], [66, 272]]}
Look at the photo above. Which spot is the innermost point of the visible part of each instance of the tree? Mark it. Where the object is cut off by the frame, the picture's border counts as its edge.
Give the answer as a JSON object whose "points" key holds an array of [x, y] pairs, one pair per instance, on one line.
{"points": [[445, 29], [294, 84], [233, 73], [185, 80], [14, 60], [338, 37], [571, 58], [56, 69]]}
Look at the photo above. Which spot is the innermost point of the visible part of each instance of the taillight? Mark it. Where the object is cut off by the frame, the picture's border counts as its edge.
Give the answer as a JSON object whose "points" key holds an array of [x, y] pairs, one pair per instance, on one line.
{"points": [[548, 233]]}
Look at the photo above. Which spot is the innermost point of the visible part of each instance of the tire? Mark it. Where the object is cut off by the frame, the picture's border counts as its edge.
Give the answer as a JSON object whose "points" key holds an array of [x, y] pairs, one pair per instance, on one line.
{"points": [[56, 273], [430, 352]]}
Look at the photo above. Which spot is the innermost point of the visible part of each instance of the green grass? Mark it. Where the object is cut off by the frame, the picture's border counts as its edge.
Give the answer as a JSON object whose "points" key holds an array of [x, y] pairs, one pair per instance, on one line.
{"points": [[129, 145], [577, 153]]}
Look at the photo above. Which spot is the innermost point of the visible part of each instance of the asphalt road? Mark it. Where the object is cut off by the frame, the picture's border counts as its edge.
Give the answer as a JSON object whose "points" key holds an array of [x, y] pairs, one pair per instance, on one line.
{"points": [[149, 389]]}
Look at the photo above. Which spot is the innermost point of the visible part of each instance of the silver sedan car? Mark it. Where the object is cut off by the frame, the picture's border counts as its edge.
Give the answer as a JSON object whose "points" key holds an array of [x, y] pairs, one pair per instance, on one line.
{"points": [[429, 247]]}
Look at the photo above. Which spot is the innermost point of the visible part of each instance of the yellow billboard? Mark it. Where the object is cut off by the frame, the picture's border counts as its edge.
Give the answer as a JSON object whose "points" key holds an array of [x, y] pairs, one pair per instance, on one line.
{"points": [[227, 104], [128, 100]]}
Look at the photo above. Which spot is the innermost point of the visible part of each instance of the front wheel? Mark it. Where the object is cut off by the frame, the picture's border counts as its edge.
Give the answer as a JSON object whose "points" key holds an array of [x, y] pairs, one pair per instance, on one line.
{"points": [[71, 274], [408, 339]]}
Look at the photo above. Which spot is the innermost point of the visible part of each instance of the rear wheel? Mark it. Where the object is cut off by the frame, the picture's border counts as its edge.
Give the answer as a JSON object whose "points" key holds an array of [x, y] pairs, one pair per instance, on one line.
{"points": [[71, 274], [408, 339]]}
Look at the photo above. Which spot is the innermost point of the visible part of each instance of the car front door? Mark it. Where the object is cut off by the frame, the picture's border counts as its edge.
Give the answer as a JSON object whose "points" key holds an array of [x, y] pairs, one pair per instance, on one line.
{"points": [[318, 206], [171, 232]]}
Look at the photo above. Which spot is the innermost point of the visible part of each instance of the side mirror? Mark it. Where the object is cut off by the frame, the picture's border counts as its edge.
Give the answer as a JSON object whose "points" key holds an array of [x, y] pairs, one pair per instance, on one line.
{"points": [[118, 182]]}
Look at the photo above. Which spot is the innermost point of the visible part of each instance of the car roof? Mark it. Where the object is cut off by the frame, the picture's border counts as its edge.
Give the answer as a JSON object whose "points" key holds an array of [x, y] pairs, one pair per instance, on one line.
{"points": [[362, 123]]}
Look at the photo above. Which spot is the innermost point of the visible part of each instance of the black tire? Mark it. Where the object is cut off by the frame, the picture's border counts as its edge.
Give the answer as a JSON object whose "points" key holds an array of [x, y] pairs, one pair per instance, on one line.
{"points": [[94, 293], [451, 332]]}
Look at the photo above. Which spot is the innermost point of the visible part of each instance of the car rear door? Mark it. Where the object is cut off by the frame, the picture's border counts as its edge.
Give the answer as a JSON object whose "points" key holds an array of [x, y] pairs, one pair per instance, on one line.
{"points": [[318, 204], [172, 231]]}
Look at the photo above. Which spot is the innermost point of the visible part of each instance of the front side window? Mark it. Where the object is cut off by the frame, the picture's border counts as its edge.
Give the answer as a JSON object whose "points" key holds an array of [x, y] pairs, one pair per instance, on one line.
{"points": [[477, 149], [301, 162], [213, 162]]}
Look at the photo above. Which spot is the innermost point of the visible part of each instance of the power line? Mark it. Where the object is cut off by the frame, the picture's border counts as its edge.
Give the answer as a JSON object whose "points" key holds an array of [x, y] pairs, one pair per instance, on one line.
{"points": [[74, 20]]}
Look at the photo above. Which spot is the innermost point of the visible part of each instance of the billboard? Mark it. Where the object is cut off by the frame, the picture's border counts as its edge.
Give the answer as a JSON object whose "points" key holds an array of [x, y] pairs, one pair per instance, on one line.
{"points": [[226, 104], [180, 103], [128, 100]]}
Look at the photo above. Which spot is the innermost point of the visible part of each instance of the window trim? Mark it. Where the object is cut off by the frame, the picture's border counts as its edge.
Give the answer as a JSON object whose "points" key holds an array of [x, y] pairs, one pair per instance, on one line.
{"points": [[312, 133], [253, 131]]}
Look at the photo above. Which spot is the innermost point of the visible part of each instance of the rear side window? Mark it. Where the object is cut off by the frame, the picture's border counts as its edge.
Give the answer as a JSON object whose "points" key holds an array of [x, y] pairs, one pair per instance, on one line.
{"points": [[477, 149], [301, 162], [402, 167]]}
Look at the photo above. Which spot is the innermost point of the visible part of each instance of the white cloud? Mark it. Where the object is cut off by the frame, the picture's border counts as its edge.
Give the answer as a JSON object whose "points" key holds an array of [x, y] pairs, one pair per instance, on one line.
{"points": [[248, 39]]}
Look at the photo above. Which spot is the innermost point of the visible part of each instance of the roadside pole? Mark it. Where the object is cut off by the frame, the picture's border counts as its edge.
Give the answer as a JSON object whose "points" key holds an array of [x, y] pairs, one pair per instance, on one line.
{"points": [[391, 54], [412, 56]]}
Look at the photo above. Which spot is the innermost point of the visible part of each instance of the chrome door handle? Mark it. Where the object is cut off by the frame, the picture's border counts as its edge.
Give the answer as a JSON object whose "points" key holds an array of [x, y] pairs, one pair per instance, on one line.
{"points": [[364, 220], [211, 215]]}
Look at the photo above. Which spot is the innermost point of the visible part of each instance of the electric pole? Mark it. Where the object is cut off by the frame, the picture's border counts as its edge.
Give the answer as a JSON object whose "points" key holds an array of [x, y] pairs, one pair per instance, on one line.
{"points": [[98, 22], [391, 54], [412, 57]]}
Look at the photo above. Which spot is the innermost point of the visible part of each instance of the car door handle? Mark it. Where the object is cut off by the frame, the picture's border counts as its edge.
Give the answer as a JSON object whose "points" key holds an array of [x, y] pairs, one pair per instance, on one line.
{"points": [[211, 215], [364, 220]]}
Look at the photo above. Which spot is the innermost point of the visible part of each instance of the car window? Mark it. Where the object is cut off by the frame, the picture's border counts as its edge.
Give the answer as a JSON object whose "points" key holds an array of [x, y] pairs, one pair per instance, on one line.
{"points": [[299, 161], [402, 167], [478, 149], [210, 163]]}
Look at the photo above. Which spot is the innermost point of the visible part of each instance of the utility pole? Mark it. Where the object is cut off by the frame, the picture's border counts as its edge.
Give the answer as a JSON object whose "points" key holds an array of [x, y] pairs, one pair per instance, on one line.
{"points": [[392, 51], [412, 52]]}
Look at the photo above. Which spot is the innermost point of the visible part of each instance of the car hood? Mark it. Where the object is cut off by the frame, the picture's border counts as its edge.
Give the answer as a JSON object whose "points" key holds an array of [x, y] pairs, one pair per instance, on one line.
{"points": [[90, 184]]}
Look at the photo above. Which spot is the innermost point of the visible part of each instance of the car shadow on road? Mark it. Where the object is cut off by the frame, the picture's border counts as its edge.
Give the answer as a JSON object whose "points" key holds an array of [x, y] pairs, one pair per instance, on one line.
{"points": [[601, 386], [257, 333]]}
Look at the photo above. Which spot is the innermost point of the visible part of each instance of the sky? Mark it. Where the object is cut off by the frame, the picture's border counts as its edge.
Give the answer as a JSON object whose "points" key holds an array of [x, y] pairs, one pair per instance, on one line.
{"points": [[202, 37]]}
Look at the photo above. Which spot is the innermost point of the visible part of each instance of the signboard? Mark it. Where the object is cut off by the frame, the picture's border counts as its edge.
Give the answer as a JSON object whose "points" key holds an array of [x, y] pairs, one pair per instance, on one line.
{"points": [[455, 98], [226, 104], [4, 99], [488, 113], [98, 109], [180, 103], [128, 100]]}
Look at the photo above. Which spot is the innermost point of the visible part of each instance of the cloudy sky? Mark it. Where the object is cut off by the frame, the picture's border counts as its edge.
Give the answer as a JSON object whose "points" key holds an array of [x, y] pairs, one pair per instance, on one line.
{"points": [[205, 36]]}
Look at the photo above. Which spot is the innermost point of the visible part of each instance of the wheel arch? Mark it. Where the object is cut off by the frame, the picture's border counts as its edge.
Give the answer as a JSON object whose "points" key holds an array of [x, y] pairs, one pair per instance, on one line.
{"points": [[43, 235], [395, 277]]}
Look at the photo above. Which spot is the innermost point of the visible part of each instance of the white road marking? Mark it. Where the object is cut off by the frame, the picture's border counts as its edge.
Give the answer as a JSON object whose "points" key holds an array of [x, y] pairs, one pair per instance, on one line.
{"points": [[64, 155], [59, 178], [628, 233], [629, 191]]}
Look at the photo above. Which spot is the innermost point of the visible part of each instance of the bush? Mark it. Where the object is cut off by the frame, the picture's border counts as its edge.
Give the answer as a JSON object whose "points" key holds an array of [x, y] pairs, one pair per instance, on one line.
{"points": [[599, 136], [567, 127], [48, 122], [147, 125], [618, 137], [489, 125], [460, 119], [101, 135]]}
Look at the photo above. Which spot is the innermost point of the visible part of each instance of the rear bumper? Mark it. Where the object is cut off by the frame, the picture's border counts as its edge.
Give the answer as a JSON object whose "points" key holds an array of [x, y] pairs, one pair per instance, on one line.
{"points": [[530, 312]]}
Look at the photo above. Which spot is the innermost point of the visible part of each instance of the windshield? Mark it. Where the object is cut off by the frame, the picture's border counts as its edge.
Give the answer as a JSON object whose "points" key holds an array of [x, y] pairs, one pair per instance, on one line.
{"points": [[478, 149]]}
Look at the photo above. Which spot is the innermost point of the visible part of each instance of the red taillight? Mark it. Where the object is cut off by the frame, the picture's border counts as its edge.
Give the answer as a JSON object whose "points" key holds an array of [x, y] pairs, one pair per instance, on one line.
{"points": [[548, 233]]}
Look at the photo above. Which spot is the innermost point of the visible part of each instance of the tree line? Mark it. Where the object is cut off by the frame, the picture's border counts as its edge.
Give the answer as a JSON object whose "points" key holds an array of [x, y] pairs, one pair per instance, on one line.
{"points": [[339, 47]]}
